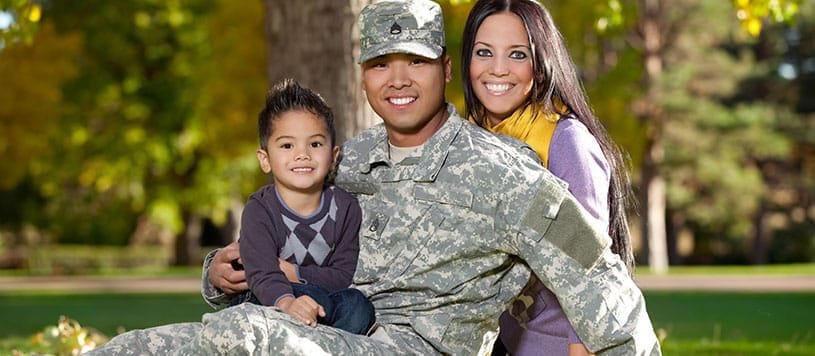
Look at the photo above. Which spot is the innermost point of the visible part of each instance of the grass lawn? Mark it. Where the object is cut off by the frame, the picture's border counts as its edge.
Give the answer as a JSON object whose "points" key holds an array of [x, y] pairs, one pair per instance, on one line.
{"points": [[793, 269], [718, 323], [692, 322]]}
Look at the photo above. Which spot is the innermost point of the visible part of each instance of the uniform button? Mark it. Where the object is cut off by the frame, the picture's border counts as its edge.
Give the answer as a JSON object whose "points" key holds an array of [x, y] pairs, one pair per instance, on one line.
{"points": [[374, 226]]}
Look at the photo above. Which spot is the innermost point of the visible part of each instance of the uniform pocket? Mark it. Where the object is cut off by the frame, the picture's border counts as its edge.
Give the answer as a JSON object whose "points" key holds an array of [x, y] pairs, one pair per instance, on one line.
{"points": [[373, 225]]}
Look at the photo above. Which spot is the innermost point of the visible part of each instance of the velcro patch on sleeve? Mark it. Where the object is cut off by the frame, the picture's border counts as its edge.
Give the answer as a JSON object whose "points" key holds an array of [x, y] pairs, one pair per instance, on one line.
{"points": [[562, 222]]}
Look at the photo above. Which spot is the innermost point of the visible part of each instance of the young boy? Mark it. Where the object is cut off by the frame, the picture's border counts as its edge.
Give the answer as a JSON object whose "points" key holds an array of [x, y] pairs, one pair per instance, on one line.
{"points": [[455, 221], [299, 236]]}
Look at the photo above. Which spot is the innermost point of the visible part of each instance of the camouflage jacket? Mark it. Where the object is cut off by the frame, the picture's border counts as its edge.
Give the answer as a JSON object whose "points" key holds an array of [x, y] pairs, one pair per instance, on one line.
{"points": [[445, 236], [447, 240]]}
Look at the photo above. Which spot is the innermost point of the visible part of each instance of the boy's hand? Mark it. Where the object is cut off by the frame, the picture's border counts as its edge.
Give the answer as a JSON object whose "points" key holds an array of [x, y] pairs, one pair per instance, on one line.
{"points": [[222, 275], [289, 270], [302, 308]]}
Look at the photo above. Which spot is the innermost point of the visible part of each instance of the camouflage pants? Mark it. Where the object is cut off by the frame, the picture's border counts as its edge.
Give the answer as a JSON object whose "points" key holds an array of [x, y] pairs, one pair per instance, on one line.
{"points": [[250, 329]]}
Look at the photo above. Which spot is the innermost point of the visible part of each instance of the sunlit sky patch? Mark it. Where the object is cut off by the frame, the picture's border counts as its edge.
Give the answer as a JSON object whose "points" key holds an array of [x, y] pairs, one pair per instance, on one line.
{"points": [[5, 20]]}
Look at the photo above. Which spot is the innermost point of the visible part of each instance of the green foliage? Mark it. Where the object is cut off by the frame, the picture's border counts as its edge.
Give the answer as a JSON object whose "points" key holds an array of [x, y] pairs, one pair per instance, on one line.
{"points": [[112, 111], [24, 18], [137, 108], [715, 142], [30, 99], [132, 102]]}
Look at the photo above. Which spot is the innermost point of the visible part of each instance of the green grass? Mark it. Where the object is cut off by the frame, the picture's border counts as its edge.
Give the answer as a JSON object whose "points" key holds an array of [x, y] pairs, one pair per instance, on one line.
{"points": [[717, 316], [718, 323], [26, 314], [693, 323], [799, 269]]}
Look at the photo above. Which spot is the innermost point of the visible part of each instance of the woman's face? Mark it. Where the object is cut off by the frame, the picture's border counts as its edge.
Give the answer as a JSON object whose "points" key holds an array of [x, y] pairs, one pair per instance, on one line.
{"points": [[501, 65]]}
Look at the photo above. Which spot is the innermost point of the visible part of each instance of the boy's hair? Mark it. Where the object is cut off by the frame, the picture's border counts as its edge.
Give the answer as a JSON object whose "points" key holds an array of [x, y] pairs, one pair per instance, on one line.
{"points": [[288, 95]]}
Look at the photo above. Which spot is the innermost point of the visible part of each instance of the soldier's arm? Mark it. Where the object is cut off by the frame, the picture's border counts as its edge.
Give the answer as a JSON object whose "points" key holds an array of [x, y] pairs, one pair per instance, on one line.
{"points": [[573, 259], [219, 279]]}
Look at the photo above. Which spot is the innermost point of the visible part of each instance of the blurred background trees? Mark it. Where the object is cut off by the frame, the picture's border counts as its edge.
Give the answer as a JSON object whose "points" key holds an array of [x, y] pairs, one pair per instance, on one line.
{"points": [[681, 70], [131, 123]]}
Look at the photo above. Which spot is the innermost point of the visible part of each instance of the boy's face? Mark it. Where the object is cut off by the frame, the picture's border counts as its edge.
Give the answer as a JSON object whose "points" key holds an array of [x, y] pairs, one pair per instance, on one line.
{"points": [[407, 91], [299, 154]]}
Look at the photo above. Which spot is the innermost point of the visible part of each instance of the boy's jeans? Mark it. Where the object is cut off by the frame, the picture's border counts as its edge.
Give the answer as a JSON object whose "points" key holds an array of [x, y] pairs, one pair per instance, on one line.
{"points": [[347, 309]]}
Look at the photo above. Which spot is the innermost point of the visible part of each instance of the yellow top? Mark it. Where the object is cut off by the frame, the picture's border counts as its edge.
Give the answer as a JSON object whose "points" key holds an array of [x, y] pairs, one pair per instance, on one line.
{"points": [[534, 131]]}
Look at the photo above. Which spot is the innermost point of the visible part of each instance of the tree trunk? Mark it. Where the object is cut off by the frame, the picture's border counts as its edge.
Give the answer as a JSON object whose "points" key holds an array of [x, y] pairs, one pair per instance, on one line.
{"points": [[316, 42], [760, 249], [650, 113], [187, 244]]}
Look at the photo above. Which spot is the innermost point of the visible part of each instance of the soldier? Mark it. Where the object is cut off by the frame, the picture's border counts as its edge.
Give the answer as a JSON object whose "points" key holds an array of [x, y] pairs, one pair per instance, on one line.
{"points": [[455, 220]]}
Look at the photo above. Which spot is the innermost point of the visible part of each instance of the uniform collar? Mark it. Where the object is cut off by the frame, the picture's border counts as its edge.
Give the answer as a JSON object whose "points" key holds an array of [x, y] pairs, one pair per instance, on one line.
{"points": [[433, 153]]}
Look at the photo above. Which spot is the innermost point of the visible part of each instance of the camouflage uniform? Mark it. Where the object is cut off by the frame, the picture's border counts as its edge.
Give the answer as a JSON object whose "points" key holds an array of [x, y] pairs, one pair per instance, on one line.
{"points": [[442, 250], [447, 240]]}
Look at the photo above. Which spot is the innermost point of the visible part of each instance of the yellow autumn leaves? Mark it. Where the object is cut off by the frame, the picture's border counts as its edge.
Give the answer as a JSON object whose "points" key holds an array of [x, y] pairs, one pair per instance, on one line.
{"points": [[752, 13]]}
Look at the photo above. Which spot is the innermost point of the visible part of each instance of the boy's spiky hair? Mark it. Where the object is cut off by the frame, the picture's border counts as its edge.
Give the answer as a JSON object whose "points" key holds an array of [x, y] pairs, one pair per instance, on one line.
{"points": [[288, 95]]}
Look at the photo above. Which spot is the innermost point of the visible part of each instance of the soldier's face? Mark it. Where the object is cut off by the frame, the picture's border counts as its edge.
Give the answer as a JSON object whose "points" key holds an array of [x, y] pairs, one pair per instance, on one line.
{"points": [[407, 91]]}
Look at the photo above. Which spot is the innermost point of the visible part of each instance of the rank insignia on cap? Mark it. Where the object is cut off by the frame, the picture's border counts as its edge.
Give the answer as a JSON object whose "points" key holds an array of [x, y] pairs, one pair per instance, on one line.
{"points": [[396, 29], [400, 26]]}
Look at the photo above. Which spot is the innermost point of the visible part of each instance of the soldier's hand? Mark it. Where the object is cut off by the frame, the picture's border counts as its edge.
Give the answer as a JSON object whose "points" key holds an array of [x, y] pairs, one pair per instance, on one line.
{"points": [[223, 275]]}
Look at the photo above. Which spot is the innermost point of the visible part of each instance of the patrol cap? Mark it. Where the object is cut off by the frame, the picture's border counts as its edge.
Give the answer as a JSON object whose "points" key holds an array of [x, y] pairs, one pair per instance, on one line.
{"points": [[401, 26]]}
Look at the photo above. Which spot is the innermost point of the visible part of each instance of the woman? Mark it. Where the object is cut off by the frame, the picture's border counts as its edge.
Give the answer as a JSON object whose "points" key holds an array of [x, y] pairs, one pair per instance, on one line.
{"points": [[520, 81]]}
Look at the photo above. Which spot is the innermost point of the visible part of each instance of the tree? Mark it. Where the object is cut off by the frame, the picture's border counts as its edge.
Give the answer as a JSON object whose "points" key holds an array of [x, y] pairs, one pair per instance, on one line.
{"points": [[30, 97], [159, 121], [131, 114], [20, 21], [317, 42], [654, 28]]}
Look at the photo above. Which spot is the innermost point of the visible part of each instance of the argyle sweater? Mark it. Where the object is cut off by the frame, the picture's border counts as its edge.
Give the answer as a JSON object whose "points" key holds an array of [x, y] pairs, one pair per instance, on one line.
{"points": [[324, 245]]}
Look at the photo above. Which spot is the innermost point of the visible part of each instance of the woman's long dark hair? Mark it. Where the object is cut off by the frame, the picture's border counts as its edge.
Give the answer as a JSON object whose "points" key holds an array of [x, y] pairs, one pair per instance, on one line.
{"points": [[555, 77]]}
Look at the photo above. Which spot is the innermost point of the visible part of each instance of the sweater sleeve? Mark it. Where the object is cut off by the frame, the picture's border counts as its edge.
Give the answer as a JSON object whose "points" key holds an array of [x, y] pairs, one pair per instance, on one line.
{"points": [[576, 157], [259, 246], [338, 271]]}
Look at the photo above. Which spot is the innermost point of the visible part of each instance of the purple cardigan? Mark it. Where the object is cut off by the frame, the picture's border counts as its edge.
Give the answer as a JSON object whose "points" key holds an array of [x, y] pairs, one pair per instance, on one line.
{"points": [[576, 157]]}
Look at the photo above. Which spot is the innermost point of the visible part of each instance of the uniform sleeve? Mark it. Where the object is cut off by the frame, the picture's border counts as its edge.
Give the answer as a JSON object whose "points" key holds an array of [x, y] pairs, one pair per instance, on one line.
{"points": [[576, 158], [259, 252], [572, 258], [338, 273], [213, 296]]}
